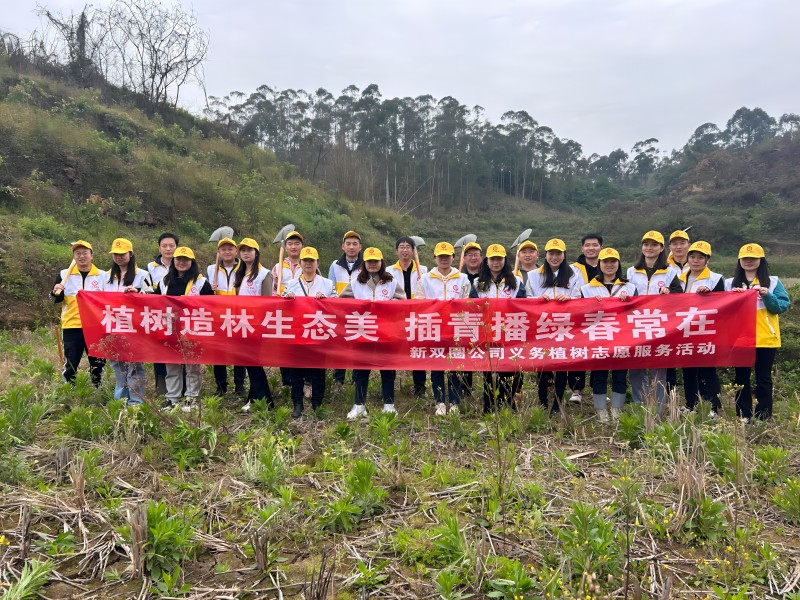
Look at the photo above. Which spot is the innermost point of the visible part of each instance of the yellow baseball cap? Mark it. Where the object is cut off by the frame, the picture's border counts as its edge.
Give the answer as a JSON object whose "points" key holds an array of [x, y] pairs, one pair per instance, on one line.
{"points": [[350, 234], [294, 234], [653, 236], [495, 250], [527, 244], [309, 253], [679, 233], [373, 254], [555, 244], [472, 245], [121, 246], [224, 241], [751, 251], [703, 247], [443, 248], [250, 243], [81, 244], [184, 252], [608, 254]]}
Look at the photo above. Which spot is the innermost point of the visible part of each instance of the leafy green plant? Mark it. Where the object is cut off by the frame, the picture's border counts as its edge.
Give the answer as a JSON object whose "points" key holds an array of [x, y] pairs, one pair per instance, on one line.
{"points": [[191, 446], [706, 520], [34, 575], [342, 515], [510, 580], [787, 499], [365, 494], [664, 441], [170, 538], [447, 583], [723, 453], [265, 465], [450, 545], [588, 538], [772, 465], [170, 586], [369, 577], [87, 423], [630, 427], [61, 544], [742, 593], [20, 413]]}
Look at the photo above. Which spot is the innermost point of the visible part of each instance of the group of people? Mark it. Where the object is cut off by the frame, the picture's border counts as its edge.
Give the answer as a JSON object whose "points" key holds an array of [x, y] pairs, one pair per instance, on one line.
{"points": [[664, 267]]}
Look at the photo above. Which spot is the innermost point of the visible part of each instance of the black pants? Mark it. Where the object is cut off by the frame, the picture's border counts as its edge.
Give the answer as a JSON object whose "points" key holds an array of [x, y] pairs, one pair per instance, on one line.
{"points": [[74, 347], [361, 380], [419, 378], [546, 381], [576, 380], [765, 358], [619, 381], [316, 377], [498, 390], [452, 391], [338, 375], [701, 382], [259, 386], [221, 377]]}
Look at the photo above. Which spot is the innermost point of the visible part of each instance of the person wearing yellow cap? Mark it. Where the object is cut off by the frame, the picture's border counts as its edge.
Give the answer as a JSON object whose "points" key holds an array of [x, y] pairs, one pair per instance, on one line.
{"points": [[183, 279], [528, 253], [678, 251], [651, 275], [253, 279], [444, 283], [752, 272], [342, 271], [609, 285], [473, 255], [309, 283], [555, 280], [124, 276], [80, 275], [496, 279], [700, 382], [293, 244], [221, 276], [408, 271], [588, 267], [373, 283], [158, 268]]}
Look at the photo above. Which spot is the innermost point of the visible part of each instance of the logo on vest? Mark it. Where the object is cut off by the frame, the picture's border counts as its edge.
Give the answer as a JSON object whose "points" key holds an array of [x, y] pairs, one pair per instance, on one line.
{"points": [[384, 292], [95, 284], [661, 283]]}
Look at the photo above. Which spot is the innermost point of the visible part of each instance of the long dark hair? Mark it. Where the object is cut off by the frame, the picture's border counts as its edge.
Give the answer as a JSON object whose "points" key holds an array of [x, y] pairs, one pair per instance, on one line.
{"points": [[620, 274], [130, 275], [551, 280], [241, 270], [762, 273], [485, 278], [383, 276], [661, 261], [192, 274]]}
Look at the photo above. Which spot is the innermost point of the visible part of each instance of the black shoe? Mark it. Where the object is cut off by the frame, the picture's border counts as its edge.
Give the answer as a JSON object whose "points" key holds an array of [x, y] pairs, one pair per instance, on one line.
{"points": [[419, 392], [167, 404], [297, 411], [239, 391], [220, 391]]}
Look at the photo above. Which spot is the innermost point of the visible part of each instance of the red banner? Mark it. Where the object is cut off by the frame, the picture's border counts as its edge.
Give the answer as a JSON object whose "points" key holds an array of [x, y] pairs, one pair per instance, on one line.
{"points": [[474, 335]]}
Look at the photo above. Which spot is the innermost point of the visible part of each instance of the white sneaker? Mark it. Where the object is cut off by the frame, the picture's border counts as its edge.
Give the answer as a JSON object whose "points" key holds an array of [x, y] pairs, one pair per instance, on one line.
{"points": [[307, 391], [615, 413], [602, 415], [358, 411], [246, 407], [453, 409], [188, 406], [441, 409], [577, 396], [712, 414], [389, 408]]}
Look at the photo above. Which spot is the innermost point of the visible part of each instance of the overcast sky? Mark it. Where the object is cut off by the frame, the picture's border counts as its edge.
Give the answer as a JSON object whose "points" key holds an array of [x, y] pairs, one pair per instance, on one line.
{"points": [[606, 73]]}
